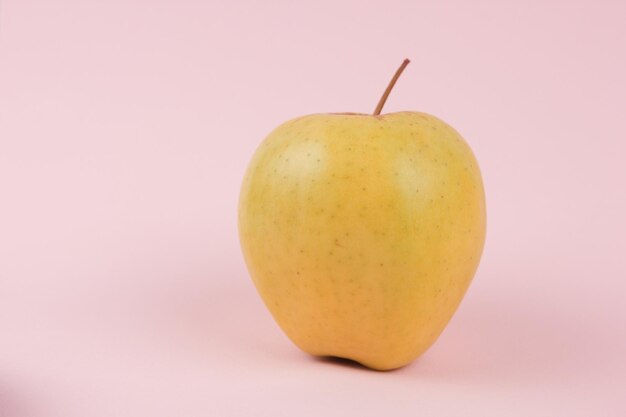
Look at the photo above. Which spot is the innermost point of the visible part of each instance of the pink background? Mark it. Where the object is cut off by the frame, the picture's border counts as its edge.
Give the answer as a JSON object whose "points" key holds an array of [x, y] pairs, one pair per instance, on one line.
{"points": [[125, 129]]}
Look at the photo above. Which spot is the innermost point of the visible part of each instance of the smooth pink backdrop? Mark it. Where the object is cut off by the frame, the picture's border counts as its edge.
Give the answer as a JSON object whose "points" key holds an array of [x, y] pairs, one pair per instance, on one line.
{"points": [[125, 129]]}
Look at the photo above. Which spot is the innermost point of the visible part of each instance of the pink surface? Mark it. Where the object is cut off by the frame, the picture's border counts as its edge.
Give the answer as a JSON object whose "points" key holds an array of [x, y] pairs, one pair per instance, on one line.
{"points": [[125, 129]]}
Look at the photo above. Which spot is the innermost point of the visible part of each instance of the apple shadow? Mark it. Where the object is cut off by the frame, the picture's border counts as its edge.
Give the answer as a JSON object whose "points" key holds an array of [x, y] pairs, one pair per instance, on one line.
{"points": [[488, 338], [493, 336], [341, 362], [504, 339]]}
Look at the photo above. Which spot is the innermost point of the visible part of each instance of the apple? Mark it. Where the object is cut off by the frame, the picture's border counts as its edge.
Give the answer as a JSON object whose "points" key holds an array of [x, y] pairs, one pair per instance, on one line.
{"points": [[363, 232]]}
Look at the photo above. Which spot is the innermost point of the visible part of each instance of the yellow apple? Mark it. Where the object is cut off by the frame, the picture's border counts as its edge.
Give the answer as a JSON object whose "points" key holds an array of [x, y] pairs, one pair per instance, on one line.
{"points": [[363, 232]]}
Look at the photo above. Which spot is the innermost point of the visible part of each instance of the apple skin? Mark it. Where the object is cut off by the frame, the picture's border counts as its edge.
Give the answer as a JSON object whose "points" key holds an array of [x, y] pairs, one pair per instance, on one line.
{"points": [[362, 233]]}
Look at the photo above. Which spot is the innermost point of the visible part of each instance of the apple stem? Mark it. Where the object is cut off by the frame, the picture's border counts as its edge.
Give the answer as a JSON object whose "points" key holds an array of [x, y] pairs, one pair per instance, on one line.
{"points": [[383, 99]]}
